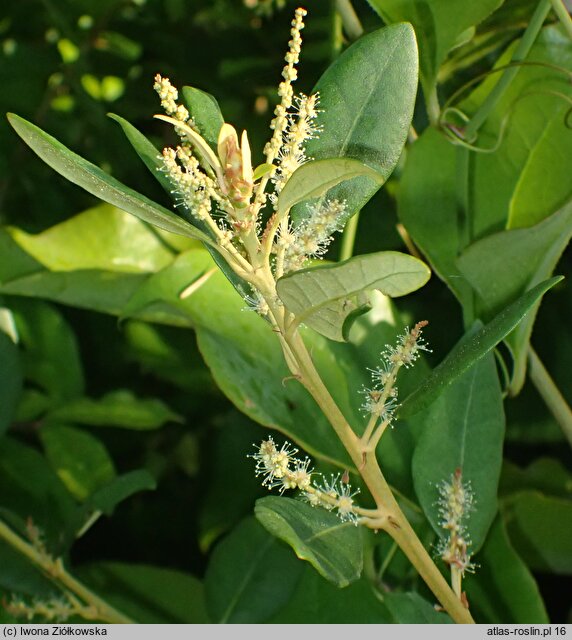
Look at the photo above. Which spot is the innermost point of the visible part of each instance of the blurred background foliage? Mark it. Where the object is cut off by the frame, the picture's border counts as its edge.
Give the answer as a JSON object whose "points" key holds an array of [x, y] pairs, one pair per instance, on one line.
{"points": [[64, 64]]}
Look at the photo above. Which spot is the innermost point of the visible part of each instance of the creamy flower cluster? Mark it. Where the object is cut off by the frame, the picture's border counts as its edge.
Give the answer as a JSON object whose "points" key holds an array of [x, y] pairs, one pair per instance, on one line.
{"points": [[283, 471], [219, 189], [310, 239], [381, 398], [456, 502]]}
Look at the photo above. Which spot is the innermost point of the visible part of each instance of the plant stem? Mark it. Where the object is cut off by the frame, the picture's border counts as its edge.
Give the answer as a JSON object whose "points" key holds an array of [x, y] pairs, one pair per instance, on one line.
{"points": [[391, 518], [54, 569], [464, 217], [432, 105], [550, 394], [563, 15], [350, 20], [349, 237], [521, 51]]}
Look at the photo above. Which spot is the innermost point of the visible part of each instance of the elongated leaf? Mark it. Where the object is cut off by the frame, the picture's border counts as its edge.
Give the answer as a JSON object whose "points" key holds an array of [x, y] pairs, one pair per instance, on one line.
{"points": [[153, 161], [91, 178], [439, 26], [317, 601], [324, 298], [533, 254], [428, 198], [544, 184], [117, 409], [316, 177], [80, 460], [367, 98], [102, 237], [31, 487], [250, 576], [120, 488], [539, 527], [10, 380], [503, 590], [332, 547], [52, 357], [468, 351], [148, 594], [205, 112], [463, 429], [411, 608]]}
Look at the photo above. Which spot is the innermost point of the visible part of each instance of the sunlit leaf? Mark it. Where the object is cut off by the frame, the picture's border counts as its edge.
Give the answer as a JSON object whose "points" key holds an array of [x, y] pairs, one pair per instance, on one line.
{"points": [[332, 547], [324, 297]]}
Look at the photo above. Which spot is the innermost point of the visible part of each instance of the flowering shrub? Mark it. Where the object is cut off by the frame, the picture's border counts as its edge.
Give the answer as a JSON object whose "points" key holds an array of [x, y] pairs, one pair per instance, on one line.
{"points": [[397, 446]]}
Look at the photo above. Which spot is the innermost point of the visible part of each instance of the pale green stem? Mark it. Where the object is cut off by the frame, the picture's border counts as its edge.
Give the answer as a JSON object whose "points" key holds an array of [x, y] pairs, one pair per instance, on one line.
{"points": [[562, 12], [432, 105], [550, 394], [54, 569], [349, 237], [387, 561], [350, 20], [391, 519], [520, 53]]}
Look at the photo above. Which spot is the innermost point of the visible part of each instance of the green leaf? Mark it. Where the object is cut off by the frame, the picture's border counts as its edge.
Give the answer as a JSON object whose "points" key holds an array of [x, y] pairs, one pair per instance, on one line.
{"points": [[153, 161], [430, 195], [317, 601], [544, 184], [334, 548], [250, 576], [11, 381], [52, 359], [30, 488], [503, 590], [103, 291], [205, 112], [262, 170], [367, 97], [80, 460], [325, 297], [539, 527], [147, 594], [231, 444], [411, 608], [146, 150], [427, 206], [316, 177], [546, 475], [119, 489], [103, 237], [536, 118], [98, 183], [117, 409], [18, 575], [439, 26], [533, 254], [472, 348], [463, 429]]}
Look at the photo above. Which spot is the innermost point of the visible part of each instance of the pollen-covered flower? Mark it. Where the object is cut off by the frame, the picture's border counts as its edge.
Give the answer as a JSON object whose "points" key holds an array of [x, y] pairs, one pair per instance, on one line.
{"points": [[311, 238], [283, 471], [456, 502], [169, 96], [408, 347], [299, 129], [272, 462], [285, 91], [334, 494]]}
